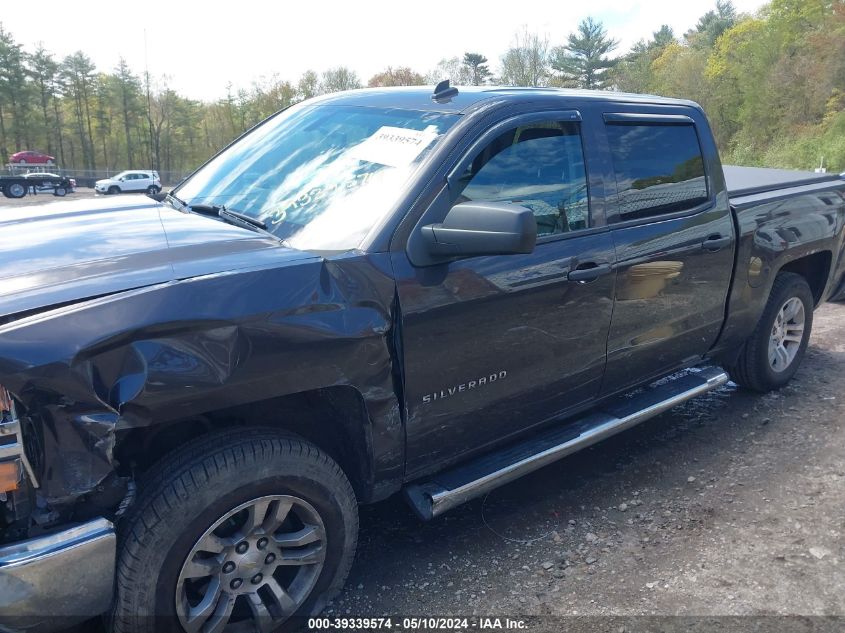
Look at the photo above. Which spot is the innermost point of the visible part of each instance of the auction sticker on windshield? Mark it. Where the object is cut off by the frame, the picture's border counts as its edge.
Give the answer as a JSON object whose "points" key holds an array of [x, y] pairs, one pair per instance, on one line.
{"points": [[394, 146]]}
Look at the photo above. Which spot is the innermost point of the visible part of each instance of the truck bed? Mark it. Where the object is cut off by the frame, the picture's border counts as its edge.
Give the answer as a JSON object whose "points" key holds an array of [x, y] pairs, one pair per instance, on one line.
{"points": [[744, 181]]}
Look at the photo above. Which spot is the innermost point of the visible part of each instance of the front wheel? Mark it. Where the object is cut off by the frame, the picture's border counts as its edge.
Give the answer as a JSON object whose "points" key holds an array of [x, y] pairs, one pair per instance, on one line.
{"points": [[773, 352], [113, 190], [246, 528]]}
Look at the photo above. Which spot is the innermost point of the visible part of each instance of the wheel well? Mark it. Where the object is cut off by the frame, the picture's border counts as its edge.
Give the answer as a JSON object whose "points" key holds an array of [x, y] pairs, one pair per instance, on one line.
{"points": [[335, 419], [815, 269]]}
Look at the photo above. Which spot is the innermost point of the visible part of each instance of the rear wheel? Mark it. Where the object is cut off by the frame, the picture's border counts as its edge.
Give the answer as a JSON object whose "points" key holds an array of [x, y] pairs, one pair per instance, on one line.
{"points": [[773, 352], [242, 528], [152, 190], [60, 191], [16, 190], [113, 190]]}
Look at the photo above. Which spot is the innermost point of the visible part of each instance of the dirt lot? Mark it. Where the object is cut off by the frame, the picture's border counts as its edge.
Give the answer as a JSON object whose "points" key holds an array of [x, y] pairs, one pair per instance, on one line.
{"points": [[730, 505]]}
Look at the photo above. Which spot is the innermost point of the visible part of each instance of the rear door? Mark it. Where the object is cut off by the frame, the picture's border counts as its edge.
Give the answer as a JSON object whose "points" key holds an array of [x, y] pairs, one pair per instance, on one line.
{"points": [[138, 181], [674, 239], [496, 344]]}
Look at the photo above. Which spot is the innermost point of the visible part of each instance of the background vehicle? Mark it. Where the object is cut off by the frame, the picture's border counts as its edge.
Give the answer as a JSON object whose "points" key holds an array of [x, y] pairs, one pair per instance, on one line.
{"points": [[49, 186], [32, 158], [373, 292], [130, 181], [19, 186]]}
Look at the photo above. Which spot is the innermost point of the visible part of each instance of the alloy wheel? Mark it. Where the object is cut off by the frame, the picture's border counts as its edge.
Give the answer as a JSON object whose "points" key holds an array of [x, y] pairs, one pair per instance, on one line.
{"points": [[787, 334], [257, 562]]}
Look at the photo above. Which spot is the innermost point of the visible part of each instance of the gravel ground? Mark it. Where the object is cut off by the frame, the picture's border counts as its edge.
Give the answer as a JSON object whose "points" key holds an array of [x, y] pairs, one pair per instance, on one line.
{"points": [[732, 504], [45, 197]]}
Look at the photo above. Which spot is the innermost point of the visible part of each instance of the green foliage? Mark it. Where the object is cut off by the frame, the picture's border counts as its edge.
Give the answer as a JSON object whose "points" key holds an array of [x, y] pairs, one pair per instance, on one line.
{"points": [[400, 76], [479, 71], [526, 62], [633, 73], [583, 61], [772, 84], [712, 25]]}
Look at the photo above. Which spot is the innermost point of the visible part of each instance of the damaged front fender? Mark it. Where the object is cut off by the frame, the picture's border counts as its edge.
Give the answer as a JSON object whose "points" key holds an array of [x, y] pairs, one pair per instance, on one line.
{"points": [[88, 374]]}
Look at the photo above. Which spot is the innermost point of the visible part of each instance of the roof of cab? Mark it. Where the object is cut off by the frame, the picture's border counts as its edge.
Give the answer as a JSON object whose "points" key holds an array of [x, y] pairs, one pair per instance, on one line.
{"points": [[471, 97]]}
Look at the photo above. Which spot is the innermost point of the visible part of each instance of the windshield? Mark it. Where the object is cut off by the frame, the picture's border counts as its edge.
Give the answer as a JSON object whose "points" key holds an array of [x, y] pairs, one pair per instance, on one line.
{"points": [[320, 177]]}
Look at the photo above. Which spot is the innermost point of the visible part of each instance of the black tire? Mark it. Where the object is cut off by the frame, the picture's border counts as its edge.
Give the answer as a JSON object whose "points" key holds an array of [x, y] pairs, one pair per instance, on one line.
{"points": [[753, 369], [113, 190], [188, 491], [15, 190], [152, 190], [60, 191]]}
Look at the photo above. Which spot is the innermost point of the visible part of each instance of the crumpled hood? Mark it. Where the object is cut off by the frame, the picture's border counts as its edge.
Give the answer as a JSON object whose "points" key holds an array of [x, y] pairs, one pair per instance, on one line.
{"points": [[63, 252]]}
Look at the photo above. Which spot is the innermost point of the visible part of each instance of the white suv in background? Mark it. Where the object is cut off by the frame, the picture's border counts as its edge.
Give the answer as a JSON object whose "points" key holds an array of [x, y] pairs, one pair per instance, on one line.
{"points": [[131, 180]]}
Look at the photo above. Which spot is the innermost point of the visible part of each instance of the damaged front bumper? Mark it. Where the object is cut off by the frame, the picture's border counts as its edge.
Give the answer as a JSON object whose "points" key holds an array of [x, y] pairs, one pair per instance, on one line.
{"points": [[51, 582]]}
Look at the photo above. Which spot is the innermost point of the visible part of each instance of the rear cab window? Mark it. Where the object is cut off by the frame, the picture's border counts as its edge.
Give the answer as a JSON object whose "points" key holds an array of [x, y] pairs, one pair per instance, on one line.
{"points": [[658, 165]]}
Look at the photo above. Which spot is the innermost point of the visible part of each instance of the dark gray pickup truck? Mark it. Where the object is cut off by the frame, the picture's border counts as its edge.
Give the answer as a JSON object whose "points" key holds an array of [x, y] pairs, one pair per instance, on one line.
{"points": [[370, 292]]}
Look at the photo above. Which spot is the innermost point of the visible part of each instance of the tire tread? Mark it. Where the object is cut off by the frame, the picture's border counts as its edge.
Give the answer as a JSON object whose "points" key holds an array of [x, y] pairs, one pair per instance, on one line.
{"points": [[181, 470]]}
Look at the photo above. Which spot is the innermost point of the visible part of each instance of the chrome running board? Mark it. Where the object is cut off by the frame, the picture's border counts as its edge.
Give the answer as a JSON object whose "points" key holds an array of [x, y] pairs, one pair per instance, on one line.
{"points": [[453, 487]]}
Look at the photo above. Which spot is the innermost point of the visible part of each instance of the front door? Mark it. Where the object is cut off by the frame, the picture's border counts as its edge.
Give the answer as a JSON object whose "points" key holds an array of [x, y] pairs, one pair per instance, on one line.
{"points": [[496, 344]]}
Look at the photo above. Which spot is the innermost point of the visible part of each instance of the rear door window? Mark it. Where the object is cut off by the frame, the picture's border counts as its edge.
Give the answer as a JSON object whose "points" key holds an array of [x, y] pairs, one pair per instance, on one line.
{"points": [[659, 168]]}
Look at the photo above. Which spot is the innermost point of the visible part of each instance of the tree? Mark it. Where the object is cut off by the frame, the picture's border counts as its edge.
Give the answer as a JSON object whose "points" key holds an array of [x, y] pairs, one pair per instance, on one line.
{"points": [[400, 76], [526, 61], [14, 93], [712, 24], [43, 69], [634, 72], [127, 88], [309, 85], [452, 69], [583, 62], [338, 79], [78, 72], [479, 72]]}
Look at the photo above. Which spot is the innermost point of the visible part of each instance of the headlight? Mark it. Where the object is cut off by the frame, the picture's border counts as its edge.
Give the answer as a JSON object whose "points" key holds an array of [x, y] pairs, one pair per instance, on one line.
{"points": [[6, 404], [12, 452]]}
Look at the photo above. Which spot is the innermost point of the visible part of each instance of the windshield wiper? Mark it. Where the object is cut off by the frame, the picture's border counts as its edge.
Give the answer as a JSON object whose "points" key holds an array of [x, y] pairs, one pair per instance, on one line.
{"points": [[233, 217], [247, 222], [173, 201], [223, 212]]}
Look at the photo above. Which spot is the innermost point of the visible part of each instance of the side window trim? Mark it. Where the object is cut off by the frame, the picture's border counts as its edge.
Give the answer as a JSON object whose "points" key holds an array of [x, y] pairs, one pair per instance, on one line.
{"points": [[477, 146], [612, 119], [645, 118]]}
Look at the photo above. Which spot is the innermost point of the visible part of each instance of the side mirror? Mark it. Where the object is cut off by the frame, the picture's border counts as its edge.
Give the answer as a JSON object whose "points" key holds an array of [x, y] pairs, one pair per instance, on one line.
{"points": [[482, 228]]}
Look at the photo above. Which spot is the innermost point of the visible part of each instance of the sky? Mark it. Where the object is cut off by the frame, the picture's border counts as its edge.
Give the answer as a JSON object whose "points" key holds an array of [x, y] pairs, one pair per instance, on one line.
{"points": [[203, 46]]}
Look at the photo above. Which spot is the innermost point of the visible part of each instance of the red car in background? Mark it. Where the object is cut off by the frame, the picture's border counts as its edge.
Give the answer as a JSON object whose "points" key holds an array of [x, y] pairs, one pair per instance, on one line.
{"points": [[29, 157]]}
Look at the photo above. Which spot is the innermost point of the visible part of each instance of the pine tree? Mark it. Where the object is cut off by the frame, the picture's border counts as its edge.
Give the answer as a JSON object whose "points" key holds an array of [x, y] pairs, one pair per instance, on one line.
{"points": [[583, 62], [479, 72]]}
